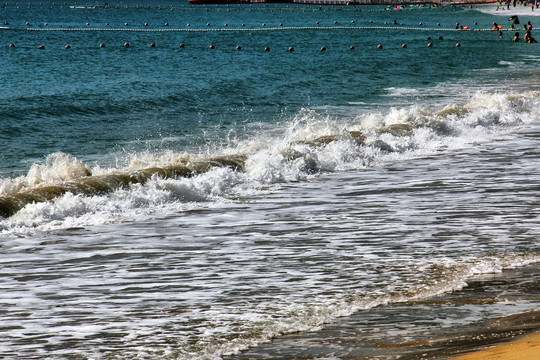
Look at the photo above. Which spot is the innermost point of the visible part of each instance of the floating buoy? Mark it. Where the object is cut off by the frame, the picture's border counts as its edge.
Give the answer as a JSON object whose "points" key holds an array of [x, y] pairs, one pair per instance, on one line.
{"points": [[420, 24], [429, 37], [45, 24], [335, 22], [291, 49], [6, 23], [166, 24], [207, 24], [238, 48], [263, 24], [352, 21], [145, 24], [430, 45], [152, 45], [188, 24], [323, 48], [458, 45], [404, 46], [211, 47], [243, 24], [438, 24], [87, 24], [126, 24], [27, 23], [68, 47], [126, 45], [379, 46], [267, 49], [182, 45], [106, 24], [101, 45], [41, 47], [351, 47], [316, 22], [280, 24], [371, 21], [441, 38], [12, 45]]}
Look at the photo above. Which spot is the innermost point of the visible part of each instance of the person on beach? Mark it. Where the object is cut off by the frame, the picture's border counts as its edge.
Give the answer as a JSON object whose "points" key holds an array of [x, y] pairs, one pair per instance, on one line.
{"points": [[516, 37]]}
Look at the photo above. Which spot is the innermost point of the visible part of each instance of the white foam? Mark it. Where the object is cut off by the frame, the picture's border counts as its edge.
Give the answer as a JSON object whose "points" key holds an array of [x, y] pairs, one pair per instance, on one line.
{"points": [[57, 167], [309, 144]]}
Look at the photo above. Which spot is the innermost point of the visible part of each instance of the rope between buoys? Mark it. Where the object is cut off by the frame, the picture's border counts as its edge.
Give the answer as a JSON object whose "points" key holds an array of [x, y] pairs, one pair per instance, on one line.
{"points": [[266, 29]]}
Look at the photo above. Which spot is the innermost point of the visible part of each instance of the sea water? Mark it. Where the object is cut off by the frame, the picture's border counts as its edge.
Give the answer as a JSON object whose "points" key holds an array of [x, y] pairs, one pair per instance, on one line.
{"points": [[369, 176]]}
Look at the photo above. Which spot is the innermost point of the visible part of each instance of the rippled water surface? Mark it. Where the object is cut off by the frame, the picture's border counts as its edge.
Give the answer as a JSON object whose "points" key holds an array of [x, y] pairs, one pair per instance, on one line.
{"points": [[192, 203]]}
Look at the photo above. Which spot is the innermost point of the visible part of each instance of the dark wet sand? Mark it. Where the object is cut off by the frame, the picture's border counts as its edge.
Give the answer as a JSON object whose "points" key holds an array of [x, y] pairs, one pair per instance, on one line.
{"points": [[492, 310]]}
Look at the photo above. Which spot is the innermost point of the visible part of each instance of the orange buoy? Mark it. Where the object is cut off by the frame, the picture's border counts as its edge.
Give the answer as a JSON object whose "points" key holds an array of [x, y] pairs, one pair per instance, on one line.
{"points": [[152, 45], [323, 48], [211, 47], [379, 46], [351, 47], [68, 47]]}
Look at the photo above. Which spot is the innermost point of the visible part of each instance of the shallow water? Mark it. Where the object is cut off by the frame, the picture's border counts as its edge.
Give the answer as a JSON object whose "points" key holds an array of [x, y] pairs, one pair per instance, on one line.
{"points": [[365, 177]]}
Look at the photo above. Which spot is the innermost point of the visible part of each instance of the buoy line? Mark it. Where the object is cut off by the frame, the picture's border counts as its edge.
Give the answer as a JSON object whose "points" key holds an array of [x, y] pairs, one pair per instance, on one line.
{"points": [[281, 28]]}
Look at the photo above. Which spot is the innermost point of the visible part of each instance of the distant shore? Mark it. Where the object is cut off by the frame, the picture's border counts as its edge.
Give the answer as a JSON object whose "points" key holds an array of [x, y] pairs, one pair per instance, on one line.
{"points": [[348, 2]]}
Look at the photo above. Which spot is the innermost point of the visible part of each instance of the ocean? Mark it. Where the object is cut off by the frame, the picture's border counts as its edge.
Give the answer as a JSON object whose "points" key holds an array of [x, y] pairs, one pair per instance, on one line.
{"points": [[245, 179]]}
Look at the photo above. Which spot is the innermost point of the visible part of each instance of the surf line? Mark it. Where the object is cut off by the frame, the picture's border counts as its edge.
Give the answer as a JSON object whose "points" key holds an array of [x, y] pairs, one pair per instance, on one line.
{"points": [[263, 29], [90, 184], [102, 184]]}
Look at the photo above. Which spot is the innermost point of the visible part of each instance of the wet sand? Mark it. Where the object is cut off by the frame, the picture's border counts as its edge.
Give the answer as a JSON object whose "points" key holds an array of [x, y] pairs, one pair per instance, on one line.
{"points": [[497, 313], [527, 348]]}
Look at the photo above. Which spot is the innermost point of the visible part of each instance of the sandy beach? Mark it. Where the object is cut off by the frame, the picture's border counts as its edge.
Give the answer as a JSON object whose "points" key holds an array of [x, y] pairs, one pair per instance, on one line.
{"points": [[526, 348]]}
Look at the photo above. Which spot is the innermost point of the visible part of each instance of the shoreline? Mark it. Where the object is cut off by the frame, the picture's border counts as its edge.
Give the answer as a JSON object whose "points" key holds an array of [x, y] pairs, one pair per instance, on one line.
{"points": [[494, 312], [524, 348]]}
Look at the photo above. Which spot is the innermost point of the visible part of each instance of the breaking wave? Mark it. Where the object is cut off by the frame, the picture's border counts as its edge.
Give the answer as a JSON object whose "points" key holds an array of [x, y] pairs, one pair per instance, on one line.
{"points": [[63, 186]]}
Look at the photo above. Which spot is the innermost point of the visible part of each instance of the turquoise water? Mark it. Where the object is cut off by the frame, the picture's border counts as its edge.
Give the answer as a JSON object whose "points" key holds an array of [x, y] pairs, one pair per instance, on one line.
{"points": [[95, 103], [316, 184]]}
